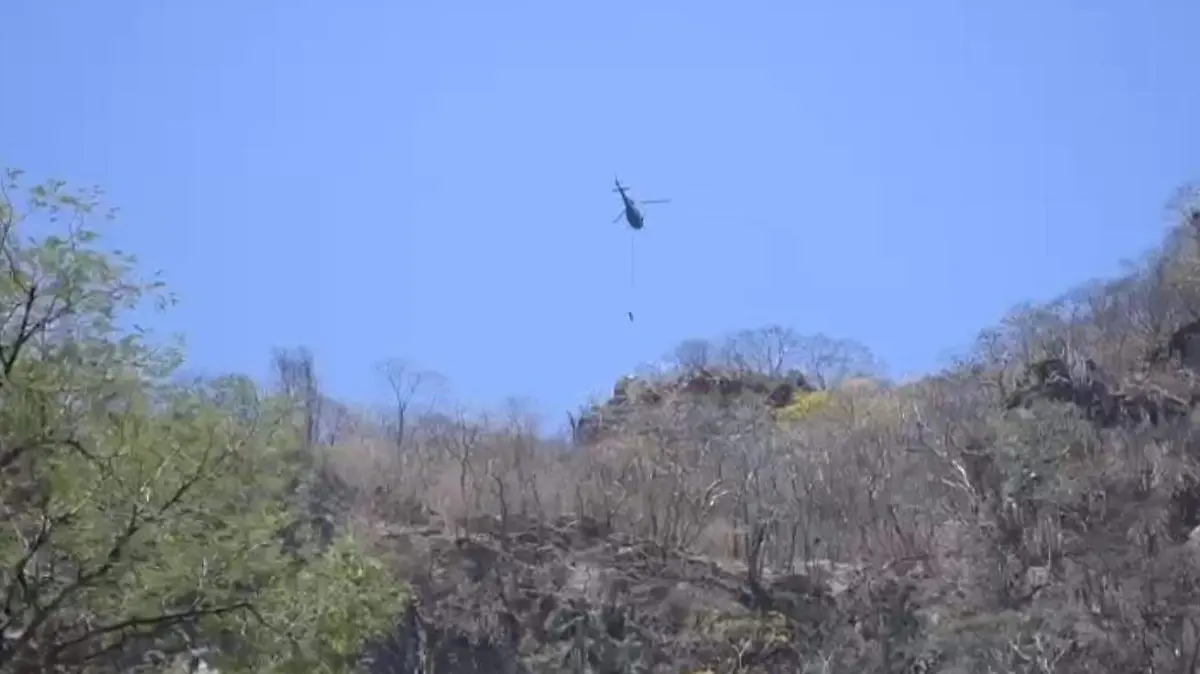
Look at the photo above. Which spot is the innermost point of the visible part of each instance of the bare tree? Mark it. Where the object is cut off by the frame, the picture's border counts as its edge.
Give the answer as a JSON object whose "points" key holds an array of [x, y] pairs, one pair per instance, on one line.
{"points": [[605, 485], [521, 429], [828, 361], [672, 490], [512, 462], [694, 354], [407, 384], [756, 496], [776, 351], [296, 377], [460, 436], [768, 350]]}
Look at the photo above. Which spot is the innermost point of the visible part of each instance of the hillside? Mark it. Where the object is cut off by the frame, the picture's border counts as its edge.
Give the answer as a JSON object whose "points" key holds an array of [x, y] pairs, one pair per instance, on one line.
{"points": [[768, 504]]}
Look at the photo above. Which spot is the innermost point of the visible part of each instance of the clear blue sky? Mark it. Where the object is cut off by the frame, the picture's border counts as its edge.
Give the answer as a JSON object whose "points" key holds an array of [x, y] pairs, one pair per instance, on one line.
{"points": [[431, 180]]}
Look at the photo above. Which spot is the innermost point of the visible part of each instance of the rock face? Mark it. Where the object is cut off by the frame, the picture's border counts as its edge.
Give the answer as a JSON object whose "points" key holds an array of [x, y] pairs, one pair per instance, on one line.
{"points": [[1183, 347], [724, 386], [527, 599], [1105, 403], [1135, 401]]}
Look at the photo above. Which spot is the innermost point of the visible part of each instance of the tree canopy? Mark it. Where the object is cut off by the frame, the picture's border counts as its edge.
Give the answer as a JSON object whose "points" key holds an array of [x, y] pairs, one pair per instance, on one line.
{"points": [[140, 514]]}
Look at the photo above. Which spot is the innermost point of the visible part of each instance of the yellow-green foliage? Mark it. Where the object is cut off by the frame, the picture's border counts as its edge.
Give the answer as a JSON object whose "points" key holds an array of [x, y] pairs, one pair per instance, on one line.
{"points": [[803, 405], [743, 634], [771, 628]]}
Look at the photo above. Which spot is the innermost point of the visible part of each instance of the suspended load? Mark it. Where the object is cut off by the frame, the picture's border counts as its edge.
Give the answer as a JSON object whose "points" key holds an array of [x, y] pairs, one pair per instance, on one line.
{"points": [[636, 221]]}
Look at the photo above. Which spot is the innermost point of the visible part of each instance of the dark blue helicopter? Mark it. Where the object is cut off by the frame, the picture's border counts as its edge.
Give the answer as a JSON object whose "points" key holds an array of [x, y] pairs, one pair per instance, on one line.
{"points": [[635, 220], [630, 211]]}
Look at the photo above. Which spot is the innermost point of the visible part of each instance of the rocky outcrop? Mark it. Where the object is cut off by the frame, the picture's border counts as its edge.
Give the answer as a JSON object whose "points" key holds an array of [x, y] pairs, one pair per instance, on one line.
{"points": [[1182, 348], [723, 386], [1087, 388]]}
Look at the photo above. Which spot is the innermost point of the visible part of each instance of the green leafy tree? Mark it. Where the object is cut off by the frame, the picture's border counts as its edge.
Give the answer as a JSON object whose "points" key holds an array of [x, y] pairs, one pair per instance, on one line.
{"points": [[140, 518]]}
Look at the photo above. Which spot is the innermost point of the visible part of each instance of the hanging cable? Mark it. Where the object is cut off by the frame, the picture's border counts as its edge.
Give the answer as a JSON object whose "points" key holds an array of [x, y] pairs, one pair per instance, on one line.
{"points": [[632, 273]]}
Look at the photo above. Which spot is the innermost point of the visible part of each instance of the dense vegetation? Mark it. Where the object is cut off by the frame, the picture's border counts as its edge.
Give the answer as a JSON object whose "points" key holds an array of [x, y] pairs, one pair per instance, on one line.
{"points": [[767, 503], [143, 517]]}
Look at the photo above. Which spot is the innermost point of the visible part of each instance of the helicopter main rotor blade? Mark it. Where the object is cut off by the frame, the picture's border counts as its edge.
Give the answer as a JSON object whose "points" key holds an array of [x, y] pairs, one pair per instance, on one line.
{"points": [[619, 216], [654, 201]]}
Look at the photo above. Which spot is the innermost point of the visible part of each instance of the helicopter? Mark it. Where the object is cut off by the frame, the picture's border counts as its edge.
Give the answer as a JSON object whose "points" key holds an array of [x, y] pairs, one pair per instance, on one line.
{"points": [[635, 220], [629, 211]]}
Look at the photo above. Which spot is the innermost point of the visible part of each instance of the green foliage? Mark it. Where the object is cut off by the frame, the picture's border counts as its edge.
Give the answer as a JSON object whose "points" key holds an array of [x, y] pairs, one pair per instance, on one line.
{"points": [[348, 597], [137, 513], [592, 641]]}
